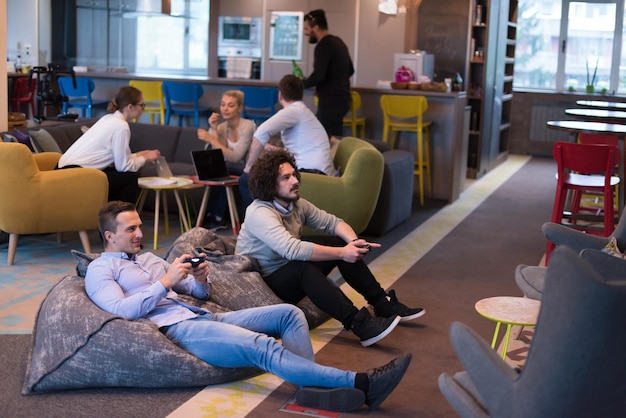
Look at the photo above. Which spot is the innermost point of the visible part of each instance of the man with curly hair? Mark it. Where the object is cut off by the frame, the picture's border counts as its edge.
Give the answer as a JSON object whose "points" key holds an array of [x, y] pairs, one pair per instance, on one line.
{"points": [[301, 132], [294, 268]]}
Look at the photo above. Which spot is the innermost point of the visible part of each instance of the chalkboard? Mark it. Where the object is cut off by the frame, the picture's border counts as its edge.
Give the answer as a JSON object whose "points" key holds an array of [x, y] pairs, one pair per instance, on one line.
{"points": [[445, 36]]}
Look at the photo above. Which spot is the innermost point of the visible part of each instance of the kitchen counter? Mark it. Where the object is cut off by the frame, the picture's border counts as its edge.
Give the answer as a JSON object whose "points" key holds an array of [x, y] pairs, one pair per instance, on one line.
{"points": [[448, 133]]}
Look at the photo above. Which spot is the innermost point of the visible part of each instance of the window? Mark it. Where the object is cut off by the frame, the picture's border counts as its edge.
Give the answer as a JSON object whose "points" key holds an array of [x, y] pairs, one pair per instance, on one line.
{"points": [[557, 53], [173, 44], [147, 38]]}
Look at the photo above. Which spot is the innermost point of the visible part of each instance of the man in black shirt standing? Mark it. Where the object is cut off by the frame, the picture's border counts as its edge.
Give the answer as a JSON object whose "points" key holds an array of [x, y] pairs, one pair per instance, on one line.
{"points": [[332, 69]]}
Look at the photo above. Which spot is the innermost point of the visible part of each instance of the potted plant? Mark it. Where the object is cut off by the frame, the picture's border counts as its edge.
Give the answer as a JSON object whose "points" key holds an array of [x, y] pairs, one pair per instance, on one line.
{"points": [[591, 83]]}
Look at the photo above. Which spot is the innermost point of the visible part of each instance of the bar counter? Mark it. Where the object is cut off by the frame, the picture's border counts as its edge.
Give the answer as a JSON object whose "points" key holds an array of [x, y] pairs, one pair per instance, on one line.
{"points": [[447, 111]]}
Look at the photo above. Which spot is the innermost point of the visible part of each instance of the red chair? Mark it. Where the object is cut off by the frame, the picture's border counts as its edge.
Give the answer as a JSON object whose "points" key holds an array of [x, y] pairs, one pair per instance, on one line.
{"points": [[578, 169], [592, 202], [24, 91]]}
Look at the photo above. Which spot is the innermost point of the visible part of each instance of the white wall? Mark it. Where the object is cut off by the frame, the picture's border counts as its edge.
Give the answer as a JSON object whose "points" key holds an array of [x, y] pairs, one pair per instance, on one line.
{"points": [[22, 26], [380, 36]]}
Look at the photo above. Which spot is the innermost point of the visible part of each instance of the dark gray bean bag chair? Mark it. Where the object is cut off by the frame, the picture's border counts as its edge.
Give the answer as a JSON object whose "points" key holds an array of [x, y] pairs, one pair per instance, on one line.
{"points": [[77, 345]]}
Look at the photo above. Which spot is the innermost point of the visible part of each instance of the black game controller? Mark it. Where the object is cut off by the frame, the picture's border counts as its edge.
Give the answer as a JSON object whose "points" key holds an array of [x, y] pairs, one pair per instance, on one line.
{"points": [[195, 261], [366, 246]]}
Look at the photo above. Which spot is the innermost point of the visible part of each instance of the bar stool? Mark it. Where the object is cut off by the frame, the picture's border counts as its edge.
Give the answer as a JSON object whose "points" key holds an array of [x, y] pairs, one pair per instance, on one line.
{"points": [[578, 169], [353, 120], [406, 113], [153, 98], [592, 201]]}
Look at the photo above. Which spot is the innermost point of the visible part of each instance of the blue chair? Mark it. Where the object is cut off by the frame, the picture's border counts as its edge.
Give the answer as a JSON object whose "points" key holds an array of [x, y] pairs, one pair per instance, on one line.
{"points": [[183, 99], [259, 103], [79, 94]]}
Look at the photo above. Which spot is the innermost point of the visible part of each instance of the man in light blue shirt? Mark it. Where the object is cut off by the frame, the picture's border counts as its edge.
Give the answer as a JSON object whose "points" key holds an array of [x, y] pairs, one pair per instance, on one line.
{"points": [[133, 286]]}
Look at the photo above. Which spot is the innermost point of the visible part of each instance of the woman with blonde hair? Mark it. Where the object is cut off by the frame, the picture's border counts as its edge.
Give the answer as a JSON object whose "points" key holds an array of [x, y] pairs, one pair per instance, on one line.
{"points": [[233, 136]]}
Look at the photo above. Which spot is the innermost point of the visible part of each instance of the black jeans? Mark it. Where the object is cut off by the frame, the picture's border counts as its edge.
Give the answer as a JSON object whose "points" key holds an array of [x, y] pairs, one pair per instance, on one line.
{"points": [[298, 279], [330, 112], [122, 185]]}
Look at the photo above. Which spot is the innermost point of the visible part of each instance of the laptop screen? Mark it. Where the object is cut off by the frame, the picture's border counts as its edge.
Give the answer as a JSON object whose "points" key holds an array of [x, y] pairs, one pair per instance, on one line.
{"points": [[163, 168], [210, 164]]}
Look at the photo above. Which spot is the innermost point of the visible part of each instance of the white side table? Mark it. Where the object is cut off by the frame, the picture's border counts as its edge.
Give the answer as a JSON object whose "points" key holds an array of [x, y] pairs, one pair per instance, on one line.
{"points": [[159, 184]]}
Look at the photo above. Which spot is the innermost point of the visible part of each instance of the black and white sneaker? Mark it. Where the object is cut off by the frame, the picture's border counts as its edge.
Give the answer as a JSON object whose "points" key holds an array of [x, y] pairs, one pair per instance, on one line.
{"points": [[371, 329], [383, 380], [390, 306], [335, 399]]}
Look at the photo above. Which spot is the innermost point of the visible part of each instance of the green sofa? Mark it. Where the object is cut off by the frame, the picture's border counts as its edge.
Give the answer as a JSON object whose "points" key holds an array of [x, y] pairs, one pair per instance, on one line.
{"points": [[353, 195]]}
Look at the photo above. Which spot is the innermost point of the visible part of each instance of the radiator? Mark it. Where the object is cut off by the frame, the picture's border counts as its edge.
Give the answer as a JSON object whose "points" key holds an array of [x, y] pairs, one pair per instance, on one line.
{"points": [[543, 111]]}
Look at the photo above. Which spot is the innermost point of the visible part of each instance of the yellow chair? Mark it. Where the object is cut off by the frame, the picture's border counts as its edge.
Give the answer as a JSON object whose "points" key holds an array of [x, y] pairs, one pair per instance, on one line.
{"points": [[353, 120], [40, 200], [362, 169], [406, 113], [153, 97]]}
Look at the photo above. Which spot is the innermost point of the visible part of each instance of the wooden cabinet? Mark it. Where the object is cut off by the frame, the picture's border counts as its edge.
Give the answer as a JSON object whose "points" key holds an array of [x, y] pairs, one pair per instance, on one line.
{"points": [[490, 82]]}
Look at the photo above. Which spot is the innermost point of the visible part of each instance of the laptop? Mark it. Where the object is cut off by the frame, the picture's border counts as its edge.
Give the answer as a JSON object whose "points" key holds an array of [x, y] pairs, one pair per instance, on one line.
{"points": [[163, 168], [210, 165]]}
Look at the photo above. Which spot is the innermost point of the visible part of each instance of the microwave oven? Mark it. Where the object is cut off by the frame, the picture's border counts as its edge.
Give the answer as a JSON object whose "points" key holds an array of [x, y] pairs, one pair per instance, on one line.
{"points": [[239, 36]]}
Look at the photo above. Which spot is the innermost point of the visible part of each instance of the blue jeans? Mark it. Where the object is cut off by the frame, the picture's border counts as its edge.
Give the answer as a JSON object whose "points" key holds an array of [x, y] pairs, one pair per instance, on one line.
{"points": [[248, 338]]}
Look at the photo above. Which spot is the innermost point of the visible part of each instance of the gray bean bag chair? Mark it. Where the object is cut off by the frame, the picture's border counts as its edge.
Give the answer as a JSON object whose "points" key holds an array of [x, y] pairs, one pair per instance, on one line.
{"points": [[77, 345]]}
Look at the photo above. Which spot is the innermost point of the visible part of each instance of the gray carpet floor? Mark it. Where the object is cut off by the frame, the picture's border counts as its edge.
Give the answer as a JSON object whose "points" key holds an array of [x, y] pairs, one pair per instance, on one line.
{"points": [[476, 260]]}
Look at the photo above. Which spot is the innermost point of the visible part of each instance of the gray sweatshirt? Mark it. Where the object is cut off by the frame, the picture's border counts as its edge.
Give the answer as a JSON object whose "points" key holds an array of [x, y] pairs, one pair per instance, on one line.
{"points": [[272, 236]]}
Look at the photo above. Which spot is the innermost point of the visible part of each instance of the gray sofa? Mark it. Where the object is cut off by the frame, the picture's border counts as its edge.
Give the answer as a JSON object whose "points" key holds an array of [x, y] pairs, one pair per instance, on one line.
{"points": [[176, 143], [396, 191]]}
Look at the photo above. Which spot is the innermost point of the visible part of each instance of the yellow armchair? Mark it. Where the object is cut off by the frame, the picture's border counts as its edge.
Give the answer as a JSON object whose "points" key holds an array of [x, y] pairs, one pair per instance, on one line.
{"points": [[36, 199], [352, 196]]}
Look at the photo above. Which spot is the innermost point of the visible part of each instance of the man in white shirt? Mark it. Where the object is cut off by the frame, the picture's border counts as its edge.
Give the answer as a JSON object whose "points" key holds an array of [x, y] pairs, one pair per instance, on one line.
{"points": [[301, 132]]}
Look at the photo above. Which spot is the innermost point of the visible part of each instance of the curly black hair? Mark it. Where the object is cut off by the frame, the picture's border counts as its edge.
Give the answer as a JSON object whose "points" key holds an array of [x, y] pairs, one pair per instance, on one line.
{"points": [[264, 173]]}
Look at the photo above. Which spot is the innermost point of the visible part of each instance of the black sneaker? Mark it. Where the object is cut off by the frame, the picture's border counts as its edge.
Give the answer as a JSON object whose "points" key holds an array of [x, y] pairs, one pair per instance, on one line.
{"points": [[212, 224], [383, 380], [390, 306], [336, 399], [371, 329]]}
